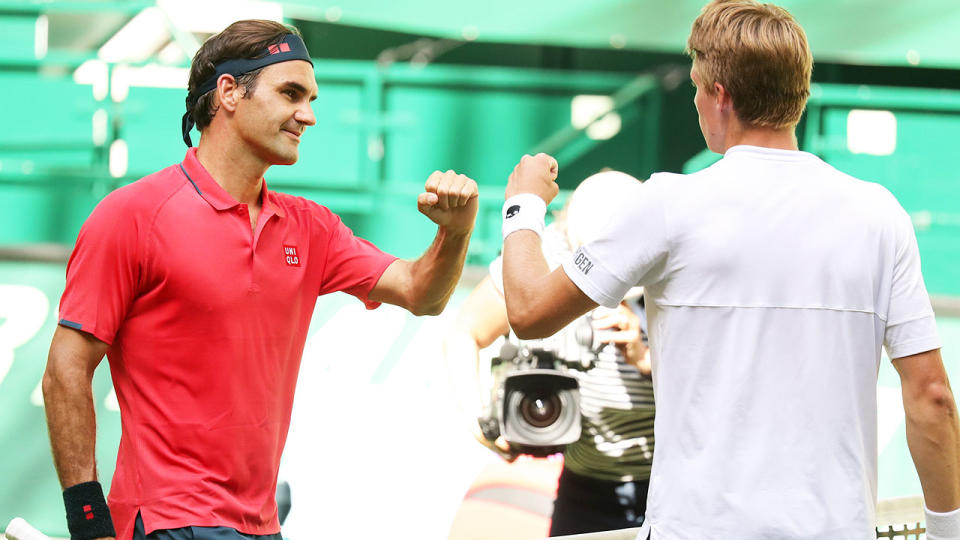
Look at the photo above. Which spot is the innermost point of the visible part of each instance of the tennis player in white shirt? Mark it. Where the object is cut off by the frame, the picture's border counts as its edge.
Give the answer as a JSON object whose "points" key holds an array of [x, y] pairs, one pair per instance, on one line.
{"points": [[772, 281]]}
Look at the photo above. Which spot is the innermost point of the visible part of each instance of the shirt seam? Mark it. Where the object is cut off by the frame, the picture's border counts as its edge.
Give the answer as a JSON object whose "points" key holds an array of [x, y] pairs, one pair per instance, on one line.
{"points": [[759, 154], [671, 240], [917, 317], [149, 235], [743, 306], [332, 233]]}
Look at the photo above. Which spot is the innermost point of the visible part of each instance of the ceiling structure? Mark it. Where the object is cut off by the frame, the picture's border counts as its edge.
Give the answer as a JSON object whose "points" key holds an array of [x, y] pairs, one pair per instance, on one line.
{"points": [[873, 32], [860, 32]]}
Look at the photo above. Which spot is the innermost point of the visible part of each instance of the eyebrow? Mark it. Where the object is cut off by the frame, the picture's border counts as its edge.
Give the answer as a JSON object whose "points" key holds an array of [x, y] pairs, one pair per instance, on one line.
{"points": [[298, 87]]}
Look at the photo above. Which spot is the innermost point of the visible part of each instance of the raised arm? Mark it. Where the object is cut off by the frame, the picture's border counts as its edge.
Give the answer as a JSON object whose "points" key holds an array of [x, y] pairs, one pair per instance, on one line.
{"points": [[423, 286], [71, 421], [933, 432], [539, 302]]}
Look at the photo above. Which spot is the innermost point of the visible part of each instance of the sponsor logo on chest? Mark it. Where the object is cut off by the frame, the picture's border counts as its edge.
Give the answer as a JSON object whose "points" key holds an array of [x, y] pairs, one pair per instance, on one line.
{"points": [[290, 255]]}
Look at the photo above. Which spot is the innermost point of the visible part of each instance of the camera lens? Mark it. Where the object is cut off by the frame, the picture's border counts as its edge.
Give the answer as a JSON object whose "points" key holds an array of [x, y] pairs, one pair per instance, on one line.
{"points": [[540, 409]]}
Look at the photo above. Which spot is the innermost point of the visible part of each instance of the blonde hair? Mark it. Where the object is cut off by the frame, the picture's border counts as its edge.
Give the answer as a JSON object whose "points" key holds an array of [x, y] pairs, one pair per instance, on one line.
{"points": [[760, 55]]}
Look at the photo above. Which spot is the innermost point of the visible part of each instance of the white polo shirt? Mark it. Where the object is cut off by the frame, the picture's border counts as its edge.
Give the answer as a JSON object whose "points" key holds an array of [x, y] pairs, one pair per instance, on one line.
{"points": [[772, 280]]}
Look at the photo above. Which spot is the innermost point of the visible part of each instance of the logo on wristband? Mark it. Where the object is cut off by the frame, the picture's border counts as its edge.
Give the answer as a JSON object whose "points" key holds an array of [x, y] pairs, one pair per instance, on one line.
{"points": [[513, 210]]}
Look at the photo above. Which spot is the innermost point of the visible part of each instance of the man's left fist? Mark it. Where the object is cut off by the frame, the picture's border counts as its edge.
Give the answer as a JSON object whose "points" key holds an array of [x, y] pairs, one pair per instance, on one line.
{"points": [[450, 200]]}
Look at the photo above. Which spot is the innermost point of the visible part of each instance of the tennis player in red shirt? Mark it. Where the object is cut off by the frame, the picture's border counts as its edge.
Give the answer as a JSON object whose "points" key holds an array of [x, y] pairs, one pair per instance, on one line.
{"points": [[198, 283]]}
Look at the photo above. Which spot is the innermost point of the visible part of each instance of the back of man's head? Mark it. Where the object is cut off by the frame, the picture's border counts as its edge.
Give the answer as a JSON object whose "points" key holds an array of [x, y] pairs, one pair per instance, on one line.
{"points": [[759, 54]]}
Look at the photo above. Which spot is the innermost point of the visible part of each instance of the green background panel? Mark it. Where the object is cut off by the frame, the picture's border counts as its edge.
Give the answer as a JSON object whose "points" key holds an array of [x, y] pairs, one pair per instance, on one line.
{"points": [[47, 121], [17, 37], [149, 122], [46, 211]]}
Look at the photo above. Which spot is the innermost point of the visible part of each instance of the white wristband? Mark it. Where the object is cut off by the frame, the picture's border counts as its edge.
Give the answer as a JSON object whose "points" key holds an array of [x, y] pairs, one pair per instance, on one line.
{"points": [[942, 525], [524, 211]]}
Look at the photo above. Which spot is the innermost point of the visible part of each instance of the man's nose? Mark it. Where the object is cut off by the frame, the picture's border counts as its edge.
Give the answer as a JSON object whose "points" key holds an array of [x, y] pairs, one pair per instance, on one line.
{"points": [[305, 115]]}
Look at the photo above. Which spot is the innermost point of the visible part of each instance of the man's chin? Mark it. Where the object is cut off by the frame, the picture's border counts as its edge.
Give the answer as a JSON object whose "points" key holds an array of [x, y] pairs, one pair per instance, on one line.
{"points": [[285, 158]]}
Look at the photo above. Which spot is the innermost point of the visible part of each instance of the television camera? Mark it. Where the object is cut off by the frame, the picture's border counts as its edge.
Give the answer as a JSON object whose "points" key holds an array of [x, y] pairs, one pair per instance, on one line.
{"points": [[536, 395]]}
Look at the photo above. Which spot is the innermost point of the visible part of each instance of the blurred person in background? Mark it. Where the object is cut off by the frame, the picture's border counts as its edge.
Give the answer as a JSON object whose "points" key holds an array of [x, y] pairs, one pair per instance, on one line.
{"points": [[772, 282], [199, 283], [603, 484]]}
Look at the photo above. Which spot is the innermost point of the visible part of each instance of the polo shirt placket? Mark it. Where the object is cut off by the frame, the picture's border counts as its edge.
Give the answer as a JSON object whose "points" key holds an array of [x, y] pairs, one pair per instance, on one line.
{"points": [[221, 201]]}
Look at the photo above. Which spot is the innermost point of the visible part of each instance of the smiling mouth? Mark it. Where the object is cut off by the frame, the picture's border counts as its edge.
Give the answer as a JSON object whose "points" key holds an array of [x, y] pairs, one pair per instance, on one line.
{"points": [[295, 135]]}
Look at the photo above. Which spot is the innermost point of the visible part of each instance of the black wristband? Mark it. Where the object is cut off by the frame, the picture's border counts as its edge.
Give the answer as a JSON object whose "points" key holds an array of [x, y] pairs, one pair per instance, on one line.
{"points": [[88, 515]]}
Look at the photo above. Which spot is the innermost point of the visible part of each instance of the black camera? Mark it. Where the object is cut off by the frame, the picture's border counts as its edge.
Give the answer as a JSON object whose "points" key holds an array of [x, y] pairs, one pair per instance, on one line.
{"points": [[536, 401]]}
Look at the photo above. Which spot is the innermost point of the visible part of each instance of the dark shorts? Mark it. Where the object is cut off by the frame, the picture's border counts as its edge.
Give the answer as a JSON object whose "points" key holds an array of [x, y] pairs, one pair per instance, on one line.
{"points": [[587, 505], [197, 533]]}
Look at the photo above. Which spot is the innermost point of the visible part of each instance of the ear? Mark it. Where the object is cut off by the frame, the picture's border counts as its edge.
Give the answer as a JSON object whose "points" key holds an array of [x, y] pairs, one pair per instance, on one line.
{"points": [[722, 97], [229, 92]]}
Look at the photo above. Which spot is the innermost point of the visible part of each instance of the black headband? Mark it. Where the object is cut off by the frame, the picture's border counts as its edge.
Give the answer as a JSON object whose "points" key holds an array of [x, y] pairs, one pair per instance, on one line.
{"points": [[290, 48]]}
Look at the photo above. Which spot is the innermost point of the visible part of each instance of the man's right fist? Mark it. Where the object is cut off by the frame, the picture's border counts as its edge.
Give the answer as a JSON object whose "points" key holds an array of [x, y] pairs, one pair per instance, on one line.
{"points": [[534, 174]]}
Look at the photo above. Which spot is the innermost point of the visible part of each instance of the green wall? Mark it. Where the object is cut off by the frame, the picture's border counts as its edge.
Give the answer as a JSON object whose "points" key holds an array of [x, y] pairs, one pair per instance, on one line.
{"points": [[379, 135]]}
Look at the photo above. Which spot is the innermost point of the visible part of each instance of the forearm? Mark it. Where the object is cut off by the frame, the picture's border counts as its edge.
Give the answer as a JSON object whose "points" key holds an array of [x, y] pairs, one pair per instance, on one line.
{"points": [[524, 267], [434, 275], [71, 423], [526, 285], [933, 436]]}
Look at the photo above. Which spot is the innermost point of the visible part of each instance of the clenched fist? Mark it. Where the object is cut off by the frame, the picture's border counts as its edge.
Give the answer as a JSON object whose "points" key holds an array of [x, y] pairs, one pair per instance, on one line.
{"points": [[449, 200], [534, 174]]}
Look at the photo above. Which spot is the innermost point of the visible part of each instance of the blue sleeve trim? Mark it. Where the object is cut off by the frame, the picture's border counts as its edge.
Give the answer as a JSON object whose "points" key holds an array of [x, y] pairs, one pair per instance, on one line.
{"points": [[70, 324]]}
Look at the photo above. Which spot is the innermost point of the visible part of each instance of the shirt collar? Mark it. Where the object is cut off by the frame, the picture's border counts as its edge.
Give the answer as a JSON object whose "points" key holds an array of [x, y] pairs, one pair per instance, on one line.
{"points": [[770, 153], [214, 194]]}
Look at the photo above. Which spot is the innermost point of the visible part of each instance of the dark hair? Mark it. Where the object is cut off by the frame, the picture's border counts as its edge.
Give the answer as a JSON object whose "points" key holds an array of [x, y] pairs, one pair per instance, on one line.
{"points": [[242, 39]]}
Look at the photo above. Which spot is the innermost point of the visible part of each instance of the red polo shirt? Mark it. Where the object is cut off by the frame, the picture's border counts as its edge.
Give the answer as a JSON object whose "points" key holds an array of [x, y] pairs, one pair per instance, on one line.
{"points": [[206, 322]]}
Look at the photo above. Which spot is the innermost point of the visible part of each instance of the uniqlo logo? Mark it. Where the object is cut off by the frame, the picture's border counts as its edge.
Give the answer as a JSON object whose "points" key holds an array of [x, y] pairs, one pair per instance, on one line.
{"points": [[279, 48], [290, 255]]}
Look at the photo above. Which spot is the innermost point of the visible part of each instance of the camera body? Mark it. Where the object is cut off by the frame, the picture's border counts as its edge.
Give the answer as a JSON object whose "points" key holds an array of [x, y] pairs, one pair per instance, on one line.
{"points": [[536, 398]]}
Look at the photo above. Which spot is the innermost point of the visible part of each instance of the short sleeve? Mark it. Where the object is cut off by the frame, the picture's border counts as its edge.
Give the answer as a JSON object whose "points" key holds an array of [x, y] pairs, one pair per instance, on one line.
{"points": [[631, 250], [103, 271], [911, 327], [353, 265]]}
